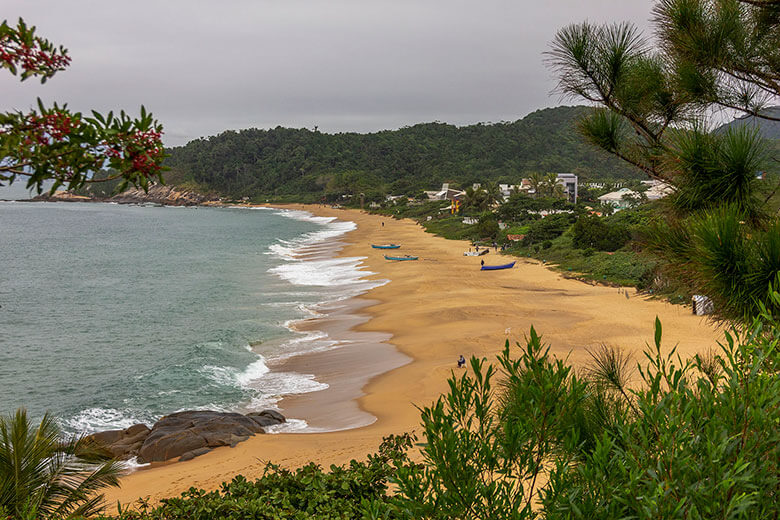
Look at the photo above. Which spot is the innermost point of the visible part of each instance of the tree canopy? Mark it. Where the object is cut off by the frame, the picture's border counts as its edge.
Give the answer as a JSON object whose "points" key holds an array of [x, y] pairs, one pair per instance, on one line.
{"points": [[300, 161], [658, 103]]}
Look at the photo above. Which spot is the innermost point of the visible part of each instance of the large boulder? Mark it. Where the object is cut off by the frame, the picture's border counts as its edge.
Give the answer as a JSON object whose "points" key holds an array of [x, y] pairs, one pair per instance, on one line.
{"points": [[191, 433], [119, 444]]}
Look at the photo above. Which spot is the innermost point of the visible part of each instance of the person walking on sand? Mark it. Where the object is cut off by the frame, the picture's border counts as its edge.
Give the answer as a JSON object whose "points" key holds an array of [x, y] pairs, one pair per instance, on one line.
{"points": [[482, 263], [461, 362]]}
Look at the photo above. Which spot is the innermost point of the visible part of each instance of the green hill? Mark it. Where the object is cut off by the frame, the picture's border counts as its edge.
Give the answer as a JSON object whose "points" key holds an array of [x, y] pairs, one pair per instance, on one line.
{"points": [[767, 128], [306, 164]]}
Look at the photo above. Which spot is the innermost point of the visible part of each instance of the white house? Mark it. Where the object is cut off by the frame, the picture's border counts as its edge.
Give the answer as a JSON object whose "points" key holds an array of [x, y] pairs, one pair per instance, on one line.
{"points": [[617, 198], [657, 189]]}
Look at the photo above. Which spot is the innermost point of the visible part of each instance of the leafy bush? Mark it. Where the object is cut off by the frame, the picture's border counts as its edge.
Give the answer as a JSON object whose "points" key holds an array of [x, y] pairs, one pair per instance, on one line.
{"points": [[487, 227], [547, 228], [485, 453], [358, 490], [594, 232], [697, 439], [451, 227]]}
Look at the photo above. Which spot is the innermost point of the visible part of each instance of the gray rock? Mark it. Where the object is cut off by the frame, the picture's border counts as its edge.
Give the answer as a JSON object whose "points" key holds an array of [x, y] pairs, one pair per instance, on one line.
{"points": [[172, 444], [194, 453], [185, 433], [119, 444]]}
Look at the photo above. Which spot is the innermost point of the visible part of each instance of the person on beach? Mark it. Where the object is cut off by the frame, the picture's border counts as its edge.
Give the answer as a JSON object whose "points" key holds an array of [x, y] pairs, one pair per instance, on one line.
{"points": [[482, 263], [461, 361]]}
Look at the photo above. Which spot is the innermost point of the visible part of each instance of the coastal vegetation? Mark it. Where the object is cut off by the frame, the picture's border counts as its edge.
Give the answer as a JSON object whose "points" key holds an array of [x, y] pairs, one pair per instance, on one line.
{"points": [[301, 165]]}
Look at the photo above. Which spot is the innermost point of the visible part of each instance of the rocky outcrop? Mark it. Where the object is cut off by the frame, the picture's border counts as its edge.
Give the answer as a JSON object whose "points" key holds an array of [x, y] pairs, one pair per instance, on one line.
{"points": [[120, 444], [159, 194], [62, 196], [183, 434]]}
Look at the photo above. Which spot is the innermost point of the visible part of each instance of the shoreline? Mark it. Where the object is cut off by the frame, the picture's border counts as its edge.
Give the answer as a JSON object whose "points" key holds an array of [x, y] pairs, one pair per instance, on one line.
{"points": [[435, 309], [349, 363], [346, 369]]}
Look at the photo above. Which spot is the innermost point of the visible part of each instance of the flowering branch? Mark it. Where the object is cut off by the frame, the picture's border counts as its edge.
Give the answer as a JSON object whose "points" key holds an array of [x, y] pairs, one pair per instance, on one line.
{"points": [[35, 56], [63, 146], [55, 143]]}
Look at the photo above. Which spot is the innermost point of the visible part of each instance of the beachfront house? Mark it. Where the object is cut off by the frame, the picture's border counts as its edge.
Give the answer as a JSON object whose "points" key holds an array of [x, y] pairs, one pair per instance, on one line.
{"points": [[568, 181], [508, 189], [445, 193], [620, 199], [657, 189]]}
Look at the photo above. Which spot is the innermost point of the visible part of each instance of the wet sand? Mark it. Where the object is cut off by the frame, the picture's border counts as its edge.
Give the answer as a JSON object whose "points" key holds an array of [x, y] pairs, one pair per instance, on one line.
{"points": [[430, 312]]}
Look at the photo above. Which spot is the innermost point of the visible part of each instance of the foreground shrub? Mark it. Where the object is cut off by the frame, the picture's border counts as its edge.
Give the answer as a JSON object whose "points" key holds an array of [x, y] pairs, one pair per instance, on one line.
{"points": [[44, 476], [698, 439], [358, 490]]}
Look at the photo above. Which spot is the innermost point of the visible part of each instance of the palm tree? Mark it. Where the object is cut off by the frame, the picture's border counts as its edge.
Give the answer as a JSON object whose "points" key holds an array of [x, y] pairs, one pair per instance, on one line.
{"points": [[536, 180], [492, 193], [475, 198], [553, 188], [42, 476]]}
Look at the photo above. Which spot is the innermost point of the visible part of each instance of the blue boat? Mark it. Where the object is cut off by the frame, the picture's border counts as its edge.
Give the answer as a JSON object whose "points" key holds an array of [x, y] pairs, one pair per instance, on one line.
{"points": [[497, 267], [400, 258], [386, 246]]}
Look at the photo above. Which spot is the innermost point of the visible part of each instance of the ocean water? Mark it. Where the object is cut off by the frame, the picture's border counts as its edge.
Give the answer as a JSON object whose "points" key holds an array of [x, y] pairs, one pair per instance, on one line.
{"points": [[112, 315]]}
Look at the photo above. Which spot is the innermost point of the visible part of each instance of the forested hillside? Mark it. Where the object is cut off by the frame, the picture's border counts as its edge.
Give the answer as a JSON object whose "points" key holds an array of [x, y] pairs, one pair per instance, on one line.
{"points": [[306, 163], [769, 129]]}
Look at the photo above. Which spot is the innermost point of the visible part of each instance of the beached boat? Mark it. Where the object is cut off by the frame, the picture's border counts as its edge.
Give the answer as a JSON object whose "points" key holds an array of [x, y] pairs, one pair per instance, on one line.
{"points": [[475, 253], [386, 246], [401, 258], [497, 267]]}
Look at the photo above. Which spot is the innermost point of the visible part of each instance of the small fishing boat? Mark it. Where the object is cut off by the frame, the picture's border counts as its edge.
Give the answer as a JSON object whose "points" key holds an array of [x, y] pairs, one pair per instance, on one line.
{"points": [[386, 246], [475, 253], [497, 267], [401, 258]]}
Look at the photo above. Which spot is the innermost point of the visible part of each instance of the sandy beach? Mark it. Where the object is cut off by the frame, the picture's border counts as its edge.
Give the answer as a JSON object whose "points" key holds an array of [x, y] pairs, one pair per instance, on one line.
{"points": [[416, 326]]}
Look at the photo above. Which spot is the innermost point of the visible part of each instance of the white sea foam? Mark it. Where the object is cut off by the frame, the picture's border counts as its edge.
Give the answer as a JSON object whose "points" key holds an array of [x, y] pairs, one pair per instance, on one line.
{"points": [[276, 385], [324, 273], [229, 376], [132, 464], [291, 426], [293, 249], [98, 419], [253, 372]]}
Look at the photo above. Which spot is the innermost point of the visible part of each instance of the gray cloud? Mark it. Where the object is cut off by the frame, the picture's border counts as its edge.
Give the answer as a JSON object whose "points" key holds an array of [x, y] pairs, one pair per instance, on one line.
{"points": [[344, 65]]}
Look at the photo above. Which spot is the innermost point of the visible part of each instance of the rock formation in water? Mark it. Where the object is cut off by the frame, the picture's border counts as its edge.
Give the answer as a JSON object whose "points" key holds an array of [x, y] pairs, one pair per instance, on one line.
{"points": [[157, 194], [183, 434]]}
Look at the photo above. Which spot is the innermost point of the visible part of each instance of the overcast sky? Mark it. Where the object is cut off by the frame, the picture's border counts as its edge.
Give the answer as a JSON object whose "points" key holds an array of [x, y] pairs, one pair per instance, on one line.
{"points": [[343, 65]]}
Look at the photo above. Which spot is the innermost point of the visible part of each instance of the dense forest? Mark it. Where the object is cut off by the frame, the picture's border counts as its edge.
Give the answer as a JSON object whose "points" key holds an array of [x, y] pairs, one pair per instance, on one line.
{"points": [[302, 162]]}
